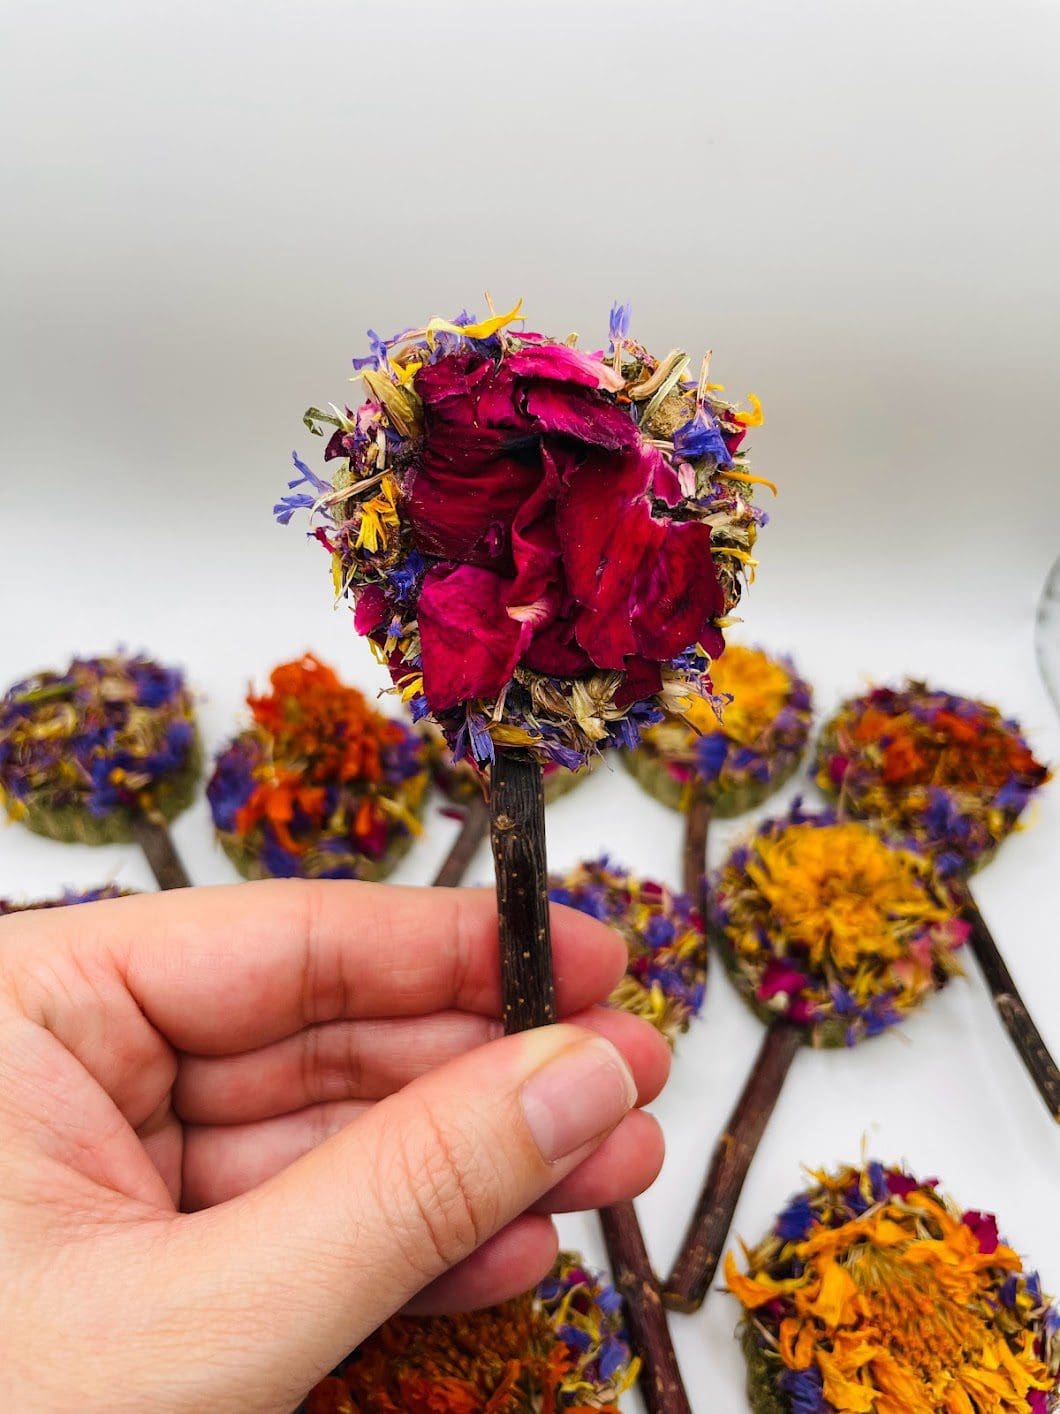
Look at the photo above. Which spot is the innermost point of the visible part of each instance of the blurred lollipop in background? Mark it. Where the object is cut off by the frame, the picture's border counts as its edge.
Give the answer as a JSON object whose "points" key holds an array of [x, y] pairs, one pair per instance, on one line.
{"points": [[729, 750], [952, 777], [832, 935], [664, 983], [319, 786], [105, 752], [560, 1347], [71, 896], [1047, 635]]}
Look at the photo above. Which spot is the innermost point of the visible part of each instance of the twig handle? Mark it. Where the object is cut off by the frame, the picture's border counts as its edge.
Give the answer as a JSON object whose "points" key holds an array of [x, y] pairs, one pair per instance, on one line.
{"points": [[154, 839], [517, 830], [687, 1285], [1012, 1009], [694, 858], [660, 1380], [473, 830]]}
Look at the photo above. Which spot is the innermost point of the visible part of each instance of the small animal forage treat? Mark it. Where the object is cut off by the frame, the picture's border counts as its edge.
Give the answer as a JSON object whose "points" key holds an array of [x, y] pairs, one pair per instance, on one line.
{"points": [[950, 774], [952, 777], [827, 925], [71, 896], [738, 744], [832, 934], [89, 753], [666, 978], [542, 544], [875, 1294], [319, 785], [561, 1347]]}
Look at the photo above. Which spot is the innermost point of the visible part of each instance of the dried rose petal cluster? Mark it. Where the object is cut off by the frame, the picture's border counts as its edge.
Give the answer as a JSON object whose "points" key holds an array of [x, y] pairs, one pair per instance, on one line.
{"points": [[541, 544]]}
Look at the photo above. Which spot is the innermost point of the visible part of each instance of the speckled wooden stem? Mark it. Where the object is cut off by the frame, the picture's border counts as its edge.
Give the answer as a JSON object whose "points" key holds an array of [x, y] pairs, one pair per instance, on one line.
{"points": [[687, 1285], [154, 839], [660, 1382], [473, 830], [694, 864], [1012, 1009], [517, 831]]}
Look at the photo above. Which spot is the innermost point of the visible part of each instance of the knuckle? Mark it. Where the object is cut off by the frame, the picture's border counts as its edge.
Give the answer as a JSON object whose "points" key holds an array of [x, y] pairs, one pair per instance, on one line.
{"points": [[438, 1207]]}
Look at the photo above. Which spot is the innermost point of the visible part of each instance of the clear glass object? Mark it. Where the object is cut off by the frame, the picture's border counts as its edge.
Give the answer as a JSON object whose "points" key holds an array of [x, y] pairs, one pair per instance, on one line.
{"points": [[1047, 634]]}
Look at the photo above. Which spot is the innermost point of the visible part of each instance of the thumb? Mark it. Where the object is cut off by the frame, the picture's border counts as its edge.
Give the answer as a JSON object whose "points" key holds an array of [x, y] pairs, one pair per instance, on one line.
{"points": [[296, 1272]]}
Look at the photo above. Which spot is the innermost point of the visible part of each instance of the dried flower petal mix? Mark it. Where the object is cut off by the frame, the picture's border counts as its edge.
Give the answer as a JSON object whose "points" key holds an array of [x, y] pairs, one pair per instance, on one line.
{"points": [[557, 1350], [84, 751], [946, 772], [828, 925], [742, 742], [874, 1294], [320, 786], [667, 973], [542, 544]]}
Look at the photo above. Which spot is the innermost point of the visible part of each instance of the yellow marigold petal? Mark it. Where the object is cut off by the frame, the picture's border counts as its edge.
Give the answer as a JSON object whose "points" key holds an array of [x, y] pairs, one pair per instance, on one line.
{"points": [[836, 1296], [844, 1394], [752, 1292], [482, 330], [755, 417]]}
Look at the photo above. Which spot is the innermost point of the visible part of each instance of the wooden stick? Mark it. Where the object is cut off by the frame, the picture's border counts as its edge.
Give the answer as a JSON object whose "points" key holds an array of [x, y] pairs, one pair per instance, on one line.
{"points": [[687, 1285], [473, 830], [694, 859], [517, 821], [154, 839], [660, 1379], [1011, 1007]]}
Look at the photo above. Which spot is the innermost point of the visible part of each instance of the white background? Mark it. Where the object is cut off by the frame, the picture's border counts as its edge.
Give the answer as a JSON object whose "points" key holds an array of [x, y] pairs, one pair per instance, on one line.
{"points": [[855, 205]]}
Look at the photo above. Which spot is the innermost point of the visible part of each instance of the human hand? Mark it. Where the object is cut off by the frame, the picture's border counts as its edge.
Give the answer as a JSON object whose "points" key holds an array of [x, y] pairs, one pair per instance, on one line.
{"points": [[240, 1127]]}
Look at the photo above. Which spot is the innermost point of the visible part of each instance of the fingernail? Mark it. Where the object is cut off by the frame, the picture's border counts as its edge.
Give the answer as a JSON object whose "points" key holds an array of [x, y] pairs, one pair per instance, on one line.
{"points": [[583, 1092]]}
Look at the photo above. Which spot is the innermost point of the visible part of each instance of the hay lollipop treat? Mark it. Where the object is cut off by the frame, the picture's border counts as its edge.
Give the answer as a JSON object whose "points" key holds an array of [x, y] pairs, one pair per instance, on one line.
{"points": [[874, 1292], [103, 753], [664, 983], [542, 545], [729, 750], [954, 777], [320, 786], [561, 1347], [833, 935]]}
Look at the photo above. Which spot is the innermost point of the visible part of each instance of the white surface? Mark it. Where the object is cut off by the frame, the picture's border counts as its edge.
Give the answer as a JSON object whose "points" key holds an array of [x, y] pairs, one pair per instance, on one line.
{"points": [[855, 205]]}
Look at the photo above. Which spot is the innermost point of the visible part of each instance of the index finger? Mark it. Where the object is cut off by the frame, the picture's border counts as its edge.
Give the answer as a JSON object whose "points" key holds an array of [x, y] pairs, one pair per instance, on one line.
{"points": [[221, 970]]}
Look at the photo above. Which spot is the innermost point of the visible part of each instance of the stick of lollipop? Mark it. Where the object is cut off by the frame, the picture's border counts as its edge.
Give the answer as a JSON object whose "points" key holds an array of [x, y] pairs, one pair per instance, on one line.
{"points": [[953, 776], [728, 751], [664, 983], [832, 934], [319, 785], [540, 545], [104, 753]]}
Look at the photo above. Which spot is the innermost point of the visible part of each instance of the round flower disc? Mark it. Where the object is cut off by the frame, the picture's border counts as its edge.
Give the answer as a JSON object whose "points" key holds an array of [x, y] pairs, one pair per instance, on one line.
{"points": [[874, 1294], [85, 752], [742, 742], [541, 544], [320, 786], [462, 780], [948, 773], [667, 974], [71, 896], [828, 925], [561, 1347]]}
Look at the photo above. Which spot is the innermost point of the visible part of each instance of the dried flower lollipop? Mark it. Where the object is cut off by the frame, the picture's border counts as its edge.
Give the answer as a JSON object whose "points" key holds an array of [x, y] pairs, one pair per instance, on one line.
{"points": [[874, 1292], [954, 777], [467, 786], [833, 934], [664, 983], [319, 786], [70, 896], [559, 1348], [543, 546], [729, 750], [103, 753]]}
